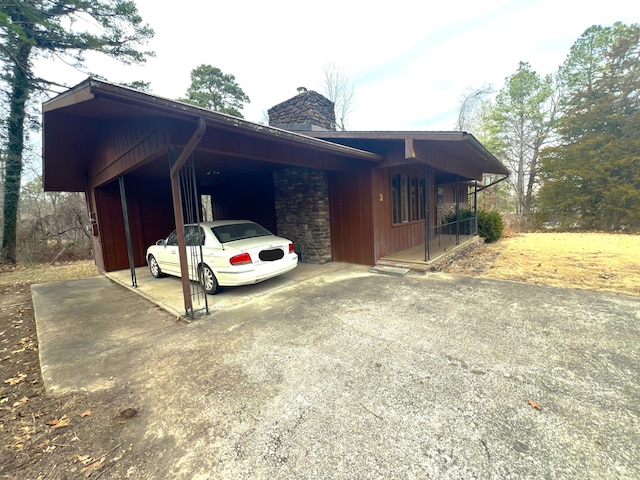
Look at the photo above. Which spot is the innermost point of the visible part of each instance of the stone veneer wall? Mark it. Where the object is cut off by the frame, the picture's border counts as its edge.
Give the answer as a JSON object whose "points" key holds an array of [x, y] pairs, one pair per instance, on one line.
{"points": [[308, 107], [302, 212]]}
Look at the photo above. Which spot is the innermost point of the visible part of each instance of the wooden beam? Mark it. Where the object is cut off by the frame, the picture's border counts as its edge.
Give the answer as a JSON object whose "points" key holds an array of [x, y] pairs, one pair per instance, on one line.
{"points": [[409, 148]]}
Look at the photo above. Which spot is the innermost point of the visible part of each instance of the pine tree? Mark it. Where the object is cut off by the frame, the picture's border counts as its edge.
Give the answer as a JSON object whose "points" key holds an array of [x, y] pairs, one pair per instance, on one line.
{"points": [[592, 178], [211, 88], [31, 29]]}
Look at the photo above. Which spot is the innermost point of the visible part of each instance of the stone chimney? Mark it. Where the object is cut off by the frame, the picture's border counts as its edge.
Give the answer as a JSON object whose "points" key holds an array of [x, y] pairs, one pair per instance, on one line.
{"points": [[307, 111]]}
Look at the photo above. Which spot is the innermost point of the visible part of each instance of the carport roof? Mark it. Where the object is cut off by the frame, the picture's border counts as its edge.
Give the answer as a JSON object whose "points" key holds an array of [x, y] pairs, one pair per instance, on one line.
{"points": [[98, 100]]}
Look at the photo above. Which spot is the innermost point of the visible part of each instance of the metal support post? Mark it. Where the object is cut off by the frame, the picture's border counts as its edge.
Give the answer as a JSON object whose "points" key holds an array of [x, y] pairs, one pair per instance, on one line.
{"points": [[427, 213], [475, 208], [127, 232], [457, 210]]}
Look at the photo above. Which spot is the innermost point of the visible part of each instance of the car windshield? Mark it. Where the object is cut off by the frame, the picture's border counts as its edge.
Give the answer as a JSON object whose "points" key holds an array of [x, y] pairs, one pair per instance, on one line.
{"points": [[239, 231]]}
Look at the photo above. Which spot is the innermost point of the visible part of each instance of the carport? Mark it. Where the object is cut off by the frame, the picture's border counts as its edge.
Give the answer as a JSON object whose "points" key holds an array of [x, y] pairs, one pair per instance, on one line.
{"points": [[149, 164], [144, 163]]}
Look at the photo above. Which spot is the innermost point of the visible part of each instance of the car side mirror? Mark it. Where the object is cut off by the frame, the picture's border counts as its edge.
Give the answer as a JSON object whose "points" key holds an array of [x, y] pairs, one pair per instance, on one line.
{"points": [[161, 242]]}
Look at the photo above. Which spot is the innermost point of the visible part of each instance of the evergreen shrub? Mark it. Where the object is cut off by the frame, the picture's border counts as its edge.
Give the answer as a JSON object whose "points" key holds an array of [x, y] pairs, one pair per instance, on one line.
{"points": [[490, 225]]}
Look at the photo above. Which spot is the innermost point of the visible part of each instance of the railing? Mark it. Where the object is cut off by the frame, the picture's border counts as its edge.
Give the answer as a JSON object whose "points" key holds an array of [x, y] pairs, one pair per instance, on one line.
{"points": [[448, 235]]}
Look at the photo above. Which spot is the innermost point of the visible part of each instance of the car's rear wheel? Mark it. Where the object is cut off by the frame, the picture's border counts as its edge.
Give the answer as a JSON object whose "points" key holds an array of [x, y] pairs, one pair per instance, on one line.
{"points": [[154, 267], [209, 280]]}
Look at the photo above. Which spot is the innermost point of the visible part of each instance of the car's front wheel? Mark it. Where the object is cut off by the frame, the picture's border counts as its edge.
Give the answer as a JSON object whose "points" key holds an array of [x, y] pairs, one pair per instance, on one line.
{"points": [[209, 280], [154, 267]]}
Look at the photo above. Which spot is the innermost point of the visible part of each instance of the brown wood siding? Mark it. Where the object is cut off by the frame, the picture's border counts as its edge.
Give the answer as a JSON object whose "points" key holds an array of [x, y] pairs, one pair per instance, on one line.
{"points": [[150, 218], [150, 213], [449, 193], [81, 141], [350, 199], [111, 227], [96, 234], [125, 146], [392, 238]]}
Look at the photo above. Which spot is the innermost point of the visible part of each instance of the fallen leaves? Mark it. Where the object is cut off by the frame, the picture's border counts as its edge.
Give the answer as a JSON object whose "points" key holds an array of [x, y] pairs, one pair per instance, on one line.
{"points": [[91, 467], [41, 433], [92, 464], [15, 380], [534, 405], [26, 343], [61, 422]]}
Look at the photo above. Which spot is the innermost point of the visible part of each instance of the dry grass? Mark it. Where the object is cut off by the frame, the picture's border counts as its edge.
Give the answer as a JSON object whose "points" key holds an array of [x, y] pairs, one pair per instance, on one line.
{"points": [[45, 273], [589, 261]]}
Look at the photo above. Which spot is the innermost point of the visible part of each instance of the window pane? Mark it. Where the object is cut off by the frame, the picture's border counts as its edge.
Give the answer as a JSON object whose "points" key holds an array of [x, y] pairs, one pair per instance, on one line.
{"points": [[239, 231], [395, 196], [404, 196], [414, 198], [421, 200]]}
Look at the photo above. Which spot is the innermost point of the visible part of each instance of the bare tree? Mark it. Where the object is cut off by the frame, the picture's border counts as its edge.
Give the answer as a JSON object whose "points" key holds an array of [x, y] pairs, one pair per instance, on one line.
{"points": [[52, 224], [469, 115], [338, 88]]}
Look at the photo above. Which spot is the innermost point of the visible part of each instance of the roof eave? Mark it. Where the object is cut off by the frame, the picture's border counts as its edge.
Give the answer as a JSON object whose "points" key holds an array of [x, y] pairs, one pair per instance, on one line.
{"points": [[92, 88], [452, 136]]}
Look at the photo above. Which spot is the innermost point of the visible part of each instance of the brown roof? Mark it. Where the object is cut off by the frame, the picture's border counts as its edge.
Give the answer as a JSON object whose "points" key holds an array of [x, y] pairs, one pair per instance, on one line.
{"points": [[462, 147], [72, 123]]}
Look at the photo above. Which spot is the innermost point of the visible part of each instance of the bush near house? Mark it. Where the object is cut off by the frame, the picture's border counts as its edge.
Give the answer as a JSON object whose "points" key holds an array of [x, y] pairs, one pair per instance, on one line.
{"points": [[465, 214], [490, 224]]}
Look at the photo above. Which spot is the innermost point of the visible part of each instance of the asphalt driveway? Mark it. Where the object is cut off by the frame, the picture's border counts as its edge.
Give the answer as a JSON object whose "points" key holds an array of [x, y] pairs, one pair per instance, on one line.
{"points": [[359, 375]]}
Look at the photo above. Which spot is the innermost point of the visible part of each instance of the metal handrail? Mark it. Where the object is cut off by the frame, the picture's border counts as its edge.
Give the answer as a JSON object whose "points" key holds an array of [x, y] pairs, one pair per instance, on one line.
{"points": [[447, 235]]}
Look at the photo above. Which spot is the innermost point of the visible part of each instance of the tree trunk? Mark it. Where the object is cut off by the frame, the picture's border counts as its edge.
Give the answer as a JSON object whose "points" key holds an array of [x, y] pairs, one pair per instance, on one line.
{"points": [[520, 179], [19, 86], [533, 172]]}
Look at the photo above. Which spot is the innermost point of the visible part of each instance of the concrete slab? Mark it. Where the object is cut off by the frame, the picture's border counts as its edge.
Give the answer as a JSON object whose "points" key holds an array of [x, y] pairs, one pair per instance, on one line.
{"points": [[355, 375], [91, 331], [83, 325], [166, 292], [387, 270]]}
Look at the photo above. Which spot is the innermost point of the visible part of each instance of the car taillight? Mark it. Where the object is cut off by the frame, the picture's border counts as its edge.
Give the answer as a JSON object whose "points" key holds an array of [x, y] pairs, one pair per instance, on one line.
{"points": [[241, 259], [291, 248]]}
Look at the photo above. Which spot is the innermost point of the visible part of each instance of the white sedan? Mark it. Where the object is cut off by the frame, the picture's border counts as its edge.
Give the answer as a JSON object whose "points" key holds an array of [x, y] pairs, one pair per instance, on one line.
{"points": [[224, 253]]}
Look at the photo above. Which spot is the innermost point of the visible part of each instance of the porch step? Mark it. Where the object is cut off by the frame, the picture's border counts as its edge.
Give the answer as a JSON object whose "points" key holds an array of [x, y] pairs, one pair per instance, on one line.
{"points": [[388, 270]]}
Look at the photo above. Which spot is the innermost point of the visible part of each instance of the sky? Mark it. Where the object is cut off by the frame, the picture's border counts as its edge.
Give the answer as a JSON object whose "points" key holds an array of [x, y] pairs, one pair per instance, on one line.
{"points": [[410, 62]]}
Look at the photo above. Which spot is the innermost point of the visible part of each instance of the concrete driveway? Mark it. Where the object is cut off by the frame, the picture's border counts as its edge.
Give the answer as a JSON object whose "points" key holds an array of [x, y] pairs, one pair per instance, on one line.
{"points": [[350, 374]]}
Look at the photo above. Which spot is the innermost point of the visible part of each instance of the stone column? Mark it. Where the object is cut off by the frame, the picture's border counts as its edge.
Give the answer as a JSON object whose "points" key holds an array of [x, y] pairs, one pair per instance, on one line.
{"points": [[302, 211]]}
